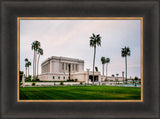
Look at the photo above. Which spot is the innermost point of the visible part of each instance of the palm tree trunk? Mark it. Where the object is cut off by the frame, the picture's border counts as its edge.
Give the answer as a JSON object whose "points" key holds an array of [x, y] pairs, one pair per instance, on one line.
{"points": [[33, 64], [126, 67], [26, 72], [38, 65], [103, 70], [106, 69], [94, 62]]}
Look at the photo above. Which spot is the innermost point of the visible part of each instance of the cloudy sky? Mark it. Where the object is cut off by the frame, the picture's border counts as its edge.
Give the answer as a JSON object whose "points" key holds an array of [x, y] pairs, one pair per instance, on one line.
{"points": [[70, 38]]}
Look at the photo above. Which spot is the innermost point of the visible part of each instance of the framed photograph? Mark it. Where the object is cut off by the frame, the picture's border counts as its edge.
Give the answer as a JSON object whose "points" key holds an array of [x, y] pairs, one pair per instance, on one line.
{"points": [[70, 79], [83, 59]]}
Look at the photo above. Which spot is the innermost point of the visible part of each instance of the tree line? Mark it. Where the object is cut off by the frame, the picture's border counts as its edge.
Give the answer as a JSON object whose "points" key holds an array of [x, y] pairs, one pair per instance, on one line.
{"points": [[95, 40], [38, 51]]}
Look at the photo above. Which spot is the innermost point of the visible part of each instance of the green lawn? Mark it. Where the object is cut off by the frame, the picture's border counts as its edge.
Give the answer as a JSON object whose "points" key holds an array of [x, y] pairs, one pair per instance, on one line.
{"points": [[80, 93]]}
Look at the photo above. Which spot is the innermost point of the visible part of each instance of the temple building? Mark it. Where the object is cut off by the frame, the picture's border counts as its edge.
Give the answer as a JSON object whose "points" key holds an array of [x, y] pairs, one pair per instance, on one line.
{"points": [[57, 69], [59, 65]]}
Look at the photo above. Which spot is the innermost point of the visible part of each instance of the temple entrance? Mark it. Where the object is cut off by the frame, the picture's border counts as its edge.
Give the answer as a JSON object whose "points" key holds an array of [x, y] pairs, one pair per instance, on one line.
{"points": [[95, 78]]}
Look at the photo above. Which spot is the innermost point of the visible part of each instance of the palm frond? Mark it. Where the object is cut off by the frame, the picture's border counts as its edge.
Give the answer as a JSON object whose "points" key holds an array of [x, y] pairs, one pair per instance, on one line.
{"points": [[26, 59], [96, 68], [26, 65], [29, 63], [107, 60], [95, 40], [98, 42], [103, 60], [93, 35], [91, 43], [35, 45], [125, 51]]}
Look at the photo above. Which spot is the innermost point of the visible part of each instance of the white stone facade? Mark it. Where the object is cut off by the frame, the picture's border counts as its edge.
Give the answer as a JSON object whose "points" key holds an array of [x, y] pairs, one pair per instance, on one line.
{"points": [[56, 69], [58, 65]]}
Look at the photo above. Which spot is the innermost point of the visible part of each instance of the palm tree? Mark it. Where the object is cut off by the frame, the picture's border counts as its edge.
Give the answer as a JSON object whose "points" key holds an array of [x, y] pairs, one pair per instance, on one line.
{"points": [[107, 61], [35, 46], [29, 64], [103, 62], [95, 40], [40, 52], [124, 53], [117, 74], [26, 65]]}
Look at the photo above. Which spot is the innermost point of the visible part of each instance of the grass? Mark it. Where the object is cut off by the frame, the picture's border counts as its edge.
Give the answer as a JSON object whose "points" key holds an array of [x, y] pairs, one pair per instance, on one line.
{"points": [[45, 81], [80, 93], [51, 81]]}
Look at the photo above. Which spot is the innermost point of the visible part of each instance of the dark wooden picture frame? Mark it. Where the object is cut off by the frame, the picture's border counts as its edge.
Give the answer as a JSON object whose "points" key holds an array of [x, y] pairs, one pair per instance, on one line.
{"points": [[79, 18], [148, 9]]}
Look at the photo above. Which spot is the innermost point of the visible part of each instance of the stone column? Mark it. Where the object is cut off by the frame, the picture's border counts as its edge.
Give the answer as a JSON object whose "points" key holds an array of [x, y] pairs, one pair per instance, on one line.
{"points": [[71, 67], [50, 66], [77, 67], [74, 67], [64, 67]]}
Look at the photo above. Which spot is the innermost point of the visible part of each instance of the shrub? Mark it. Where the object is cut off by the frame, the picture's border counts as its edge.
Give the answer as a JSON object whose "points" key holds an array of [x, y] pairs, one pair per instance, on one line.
{"points": [[71, 80], [33, 84], [103, 84], [20, 77], [76, 80], [136, 78], [61, 83], [27, 79], [36, 79], [29, 76], [80, 83]]}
